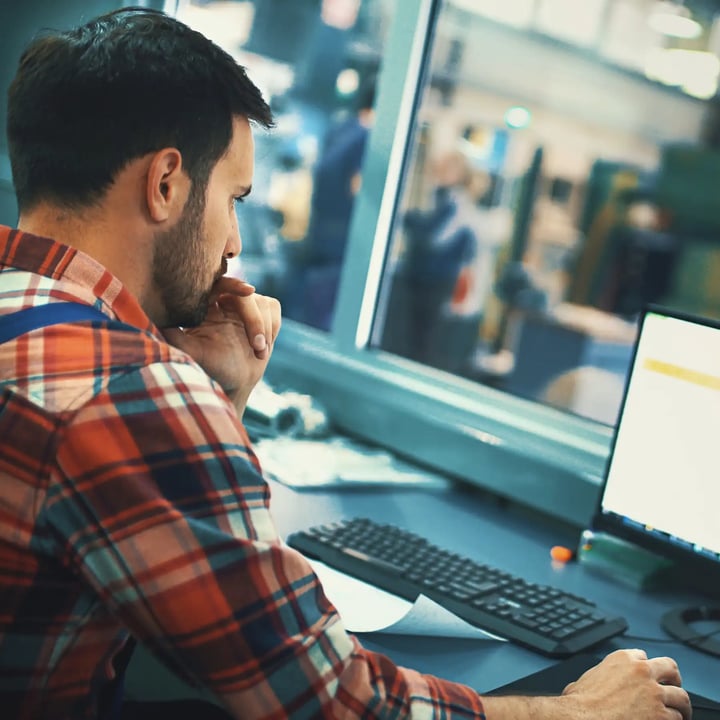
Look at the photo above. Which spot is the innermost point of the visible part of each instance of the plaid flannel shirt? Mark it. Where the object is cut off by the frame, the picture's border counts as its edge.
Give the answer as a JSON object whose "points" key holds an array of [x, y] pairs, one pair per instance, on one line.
{"points": [[131, 502]]}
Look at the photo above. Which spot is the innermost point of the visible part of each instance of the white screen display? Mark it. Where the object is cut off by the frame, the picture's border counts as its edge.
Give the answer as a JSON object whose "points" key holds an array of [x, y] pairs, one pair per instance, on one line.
{"points": [[664, 475]]}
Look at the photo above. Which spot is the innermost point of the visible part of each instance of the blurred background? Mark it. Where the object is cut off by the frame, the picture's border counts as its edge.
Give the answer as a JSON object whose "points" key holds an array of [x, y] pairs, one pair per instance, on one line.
{"points": [[560, 170]]}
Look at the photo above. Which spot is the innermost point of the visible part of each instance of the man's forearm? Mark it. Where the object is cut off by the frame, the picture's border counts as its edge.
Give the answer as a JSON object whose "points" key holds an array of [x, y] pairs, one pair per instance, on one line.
{"points": [[531, 708]]}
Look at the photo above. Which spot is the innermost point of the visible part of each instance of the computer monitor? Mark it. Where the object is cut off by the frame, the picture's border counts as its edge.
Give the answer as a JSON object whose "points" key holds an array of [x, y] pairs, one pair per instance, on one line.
{"points": [[662, 480]]}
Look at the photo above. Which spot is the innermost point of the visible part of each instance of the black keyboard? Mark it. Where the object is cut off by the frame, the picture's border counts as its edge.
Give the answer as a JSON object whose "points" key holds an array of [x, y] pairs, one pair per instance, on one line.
{"points": [[539, 617]]}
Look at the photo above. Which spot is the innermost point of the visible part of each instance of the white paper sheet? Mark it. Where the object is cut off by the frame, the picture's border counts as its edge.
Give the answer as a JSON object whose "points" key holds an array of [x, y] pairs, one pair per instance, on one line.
{"points": [[365, 608], [307, 464]]}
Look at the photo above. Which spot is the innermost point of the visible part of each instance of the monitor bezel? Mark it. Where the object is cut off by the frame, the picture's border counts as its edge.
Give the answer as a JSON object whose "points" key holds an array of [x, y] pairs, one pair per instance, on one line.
{"points": [[702, 573]]}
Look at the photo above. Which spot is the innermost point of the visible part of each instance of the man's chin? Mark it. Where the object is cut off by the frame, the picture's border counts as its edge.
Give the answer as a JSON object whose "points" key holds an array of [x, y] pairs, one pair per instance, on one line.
{"points": [[189, 317]]}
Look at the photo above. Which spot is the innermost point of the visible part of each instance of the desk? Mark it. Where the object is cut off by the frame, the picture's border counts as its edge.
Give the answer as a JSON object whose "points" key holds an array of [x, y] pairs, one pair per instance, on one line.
{"points": [[470, 522]]}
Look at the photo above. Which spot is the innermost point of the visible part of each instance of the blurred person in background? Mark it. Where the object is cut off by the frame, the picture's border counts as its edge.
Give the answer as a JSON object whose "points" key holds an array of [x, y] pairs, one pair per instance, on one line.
{"points": [[336, 183]]}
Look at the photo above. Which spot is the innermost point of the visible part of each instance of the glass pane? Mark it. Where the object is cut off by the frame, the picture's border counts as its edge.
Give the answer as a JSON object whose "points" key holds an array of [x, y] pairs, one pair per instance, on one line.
{"points": [[553, 188], [316, 62]]}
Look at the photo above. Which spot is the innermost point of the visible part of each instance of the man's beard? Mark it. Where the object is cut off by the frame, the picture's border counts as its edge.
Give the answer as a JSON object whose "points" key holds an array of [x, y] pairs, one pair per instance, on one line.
{"points": [[178, 268]]}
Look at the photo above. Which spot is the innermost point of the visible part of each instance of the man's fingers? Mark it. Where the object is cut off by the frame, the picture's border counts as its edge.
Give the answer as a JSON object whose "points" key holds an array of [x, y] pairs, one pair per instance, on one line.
{"points": [[636, 653], [270, 309], [665, 671], [260, 316], [249, 313], [227, 285], [677, 699], [276, 312]]}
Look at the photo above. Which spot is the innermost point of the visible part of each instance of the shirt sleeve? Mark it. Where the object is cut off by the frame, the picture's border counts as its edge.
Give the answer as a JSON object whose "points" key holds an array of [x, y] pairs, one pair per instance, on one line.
{"points": [[159, 504]]}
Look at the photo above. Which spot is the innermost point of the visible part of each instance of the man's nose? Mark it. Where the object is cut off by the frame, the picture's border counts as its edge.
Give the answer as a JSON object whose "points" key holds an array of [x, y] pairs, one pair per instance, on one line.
{"points": [[234, 243]]}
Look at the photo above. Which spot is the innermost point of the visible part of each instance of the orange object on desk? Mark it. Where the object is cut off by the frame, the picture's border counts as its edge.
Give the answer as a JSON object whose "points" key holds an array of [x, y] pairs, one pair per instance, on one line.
{"points": [[561, 554]]}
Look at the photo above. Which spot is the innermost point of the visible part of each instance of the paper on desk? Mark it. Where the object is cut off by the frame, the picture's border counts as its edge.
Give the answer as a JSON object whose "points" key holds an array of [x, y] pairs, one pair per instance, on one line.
{"points": [[337, 462], [365, 608]]}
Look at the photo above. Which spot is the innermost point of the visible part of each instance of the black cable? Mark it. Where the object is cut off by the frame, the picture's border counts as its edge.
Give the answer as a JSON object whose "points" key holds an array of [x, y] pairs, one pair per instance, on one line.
{"points": [[672, 641]]}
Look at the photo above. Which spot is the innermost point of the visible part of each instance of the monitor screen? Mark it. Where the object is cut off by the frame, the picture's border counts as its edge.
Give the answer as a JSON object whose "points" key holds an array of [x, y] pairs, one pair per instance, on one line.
{"points": [[662, 483]]}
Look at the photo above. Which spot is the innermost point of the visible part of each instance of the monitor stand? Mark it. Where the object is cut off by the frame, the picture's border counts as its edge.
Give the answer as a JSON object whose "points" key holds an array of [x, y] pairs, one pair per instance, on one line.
{"points": [[680, 625]]}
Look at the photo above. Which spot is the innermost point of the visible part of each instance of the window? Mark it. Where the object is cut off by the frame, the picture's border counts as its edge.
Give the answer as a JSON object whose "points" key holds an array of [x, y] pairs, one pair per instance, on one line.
{"points": [[316, 62], [575, 187]]}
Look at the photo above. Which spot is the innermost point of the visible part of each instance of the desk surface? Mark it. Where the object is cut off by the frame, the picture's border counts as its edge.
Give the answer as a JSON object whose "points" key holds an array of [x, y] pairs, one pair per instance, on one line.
{"points": [[469, 522]]}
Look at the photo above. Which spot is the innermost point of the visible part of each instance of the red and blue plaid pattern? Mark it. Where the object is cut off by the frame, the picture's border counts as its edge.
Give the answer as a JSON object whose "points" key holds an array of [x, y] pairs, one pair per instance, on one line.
{"points": [[131, 502]]}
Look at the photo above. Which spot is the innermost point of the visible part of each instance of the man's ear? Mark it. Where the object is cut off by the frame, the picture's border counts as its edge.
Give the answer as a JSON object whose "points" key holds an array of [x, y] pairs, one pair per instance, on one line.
{"points": [[167, 185]]}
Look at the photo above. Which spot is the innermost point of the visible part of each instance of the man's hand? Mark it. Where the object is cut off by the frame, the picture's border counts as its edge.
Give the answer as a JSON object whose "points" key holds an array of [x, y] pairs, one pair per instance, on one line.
{"points": [[624, 685], [234, 343], [628, 685]]}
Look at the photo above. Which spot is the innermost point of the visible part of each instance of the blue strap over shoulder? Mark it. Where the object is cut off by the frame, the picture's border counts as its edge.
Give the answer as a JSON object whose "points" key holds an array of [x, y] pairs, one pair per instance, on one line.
{"points": [[23, 321]]}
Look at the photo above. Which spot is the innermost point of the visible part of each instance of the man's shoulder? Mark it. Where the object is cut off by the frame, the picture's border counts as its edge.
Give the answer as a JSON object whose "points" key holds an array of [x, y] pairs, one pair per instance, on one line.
{"points": [[69, 364]]}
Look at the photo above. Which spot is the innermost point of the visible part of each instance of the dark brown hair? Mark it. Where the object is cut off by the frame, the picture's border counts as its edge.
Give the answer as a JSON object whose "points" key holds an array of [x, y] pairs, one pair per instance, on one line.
{"points": [[87, 101]]}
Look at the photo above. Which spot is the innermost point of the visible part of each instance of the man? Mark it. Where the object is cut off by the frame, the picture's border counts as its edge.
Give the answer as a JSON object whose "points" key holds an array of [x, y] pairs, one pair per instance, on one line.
{"points": [[130, 500]]}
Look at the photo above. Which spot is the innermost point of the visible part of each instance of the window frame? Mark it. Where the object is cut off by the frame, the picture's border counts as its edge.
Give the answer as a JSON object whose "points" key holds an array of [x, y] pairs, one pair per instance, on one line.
{"points": [[524, 451]]}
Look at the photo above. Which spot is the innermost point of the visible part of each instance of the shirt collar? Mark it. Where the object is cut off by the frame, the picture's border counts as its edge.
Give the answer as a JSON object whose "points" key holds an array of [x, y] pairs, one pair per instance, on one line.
{"points": [[80, 273]]}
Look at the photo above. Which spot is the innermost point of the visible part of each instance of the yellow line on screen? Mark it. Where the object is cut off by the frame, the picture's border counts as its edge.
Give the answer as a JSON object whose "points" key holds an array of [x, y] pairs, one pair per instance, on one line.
{"points": [[683, 373]]}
